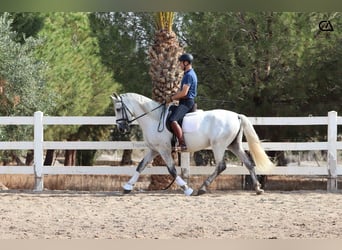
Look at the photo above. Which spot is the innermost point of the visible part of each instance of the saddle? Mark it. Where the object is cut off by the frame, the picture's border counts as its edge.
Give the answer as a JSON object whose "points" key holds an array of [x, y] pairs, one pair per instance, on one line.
{"points": [[194, 109], [181, 123]]}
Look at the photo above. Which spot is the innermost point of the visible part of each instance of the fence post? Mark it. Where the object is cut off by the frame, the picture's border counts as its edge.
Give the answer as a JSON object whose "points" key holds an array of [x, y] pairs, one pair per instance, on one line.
{"points": [[185, 166], [332, 151], [38, 151]]}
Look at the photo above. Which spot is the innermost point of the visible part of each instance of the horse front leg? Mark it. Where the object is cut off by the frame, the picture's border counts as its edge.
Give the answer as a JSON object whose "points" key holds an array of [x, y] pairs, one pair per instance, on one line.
{"points": [[128, 187], [173, 172]]}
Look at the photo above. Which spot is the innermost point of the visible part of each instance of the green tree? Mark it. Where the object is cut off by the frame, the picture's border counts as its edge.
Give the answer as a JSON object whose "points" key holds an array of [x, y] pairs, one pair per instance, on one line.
{"points": [[75, 71], [323, 66], [22, 74], [264, 63], [123, 39], [26, 24], [23, 88]]}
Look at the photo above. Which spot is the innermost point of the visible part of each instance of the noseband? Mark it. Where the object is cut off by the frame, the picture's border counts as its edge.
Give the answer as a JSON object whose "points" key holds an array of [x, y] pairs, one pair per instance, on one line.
{"points": [[125, 109]]}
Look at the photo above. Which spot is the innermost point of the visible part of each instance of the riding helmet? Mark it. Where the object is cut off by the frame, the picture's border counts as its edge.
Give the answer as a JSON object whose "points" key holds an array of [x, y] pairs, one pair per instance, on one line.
{"points": [[186, 57]]}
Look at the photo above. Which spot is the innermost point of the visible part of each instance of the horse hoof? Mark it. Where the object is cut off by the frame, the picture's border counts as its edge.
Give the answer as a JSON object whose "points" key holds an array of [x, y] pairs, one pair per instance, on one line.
{"points": [[125, 191], [201, 192], [127, 188], [259, 191], [188, 191]]}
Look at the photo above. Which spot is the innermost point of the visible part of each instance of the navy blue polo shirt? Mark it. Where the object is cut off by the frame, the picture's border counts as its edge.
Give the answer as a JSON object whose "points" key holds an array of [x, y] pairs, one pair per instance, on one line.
{"points": [[190, 78]]}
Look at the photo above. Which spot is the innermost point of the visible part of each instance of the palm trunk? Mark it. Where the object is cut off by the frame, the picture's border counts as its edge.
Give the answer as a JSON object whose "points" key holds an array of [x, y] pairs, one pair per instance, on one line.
{"points": [[164, 71], [166, 76]]}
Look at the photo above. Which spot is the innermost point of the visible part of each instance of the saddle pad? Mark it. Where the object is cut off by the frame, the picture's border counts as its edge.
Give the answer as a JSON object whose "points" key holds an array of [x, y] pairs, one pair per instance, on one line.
{"points": [[191, 121]]}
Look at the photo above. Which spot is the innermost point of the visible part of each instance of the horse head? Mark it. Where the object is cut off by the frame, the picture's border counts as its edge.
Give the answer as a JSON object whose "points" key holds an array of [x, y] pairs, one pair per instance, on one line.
{"points": [[122, 113]]}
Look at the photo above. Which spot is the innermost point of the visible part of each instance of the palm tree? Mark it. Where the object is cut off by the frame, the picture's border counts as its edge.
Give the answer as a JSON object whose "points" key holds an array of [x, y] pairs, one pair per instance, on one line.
{"points": [[164, 53], [165, 73]]}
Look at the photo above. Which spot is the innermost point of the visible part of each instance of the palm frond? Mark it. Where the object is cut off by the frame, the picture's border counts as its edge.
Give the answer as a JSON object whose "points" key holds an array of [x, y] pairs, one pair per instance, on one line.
{"points": [[164, 20]]}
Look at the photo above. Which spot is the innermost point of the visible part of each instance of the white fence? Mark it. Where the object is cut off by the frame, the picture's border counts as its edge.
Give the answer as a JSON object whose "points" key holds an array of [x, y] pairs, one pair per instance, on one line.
{"points": [[331, 170]]}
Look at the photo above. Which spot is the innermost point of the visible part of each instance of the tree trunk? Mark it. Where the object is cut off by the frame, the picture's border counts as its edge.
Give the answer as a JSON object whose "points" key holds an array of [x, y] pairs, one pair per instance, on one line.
{"points": [[29, 158], [49, 157], [70, 157], [127, 157], [15, 158]]}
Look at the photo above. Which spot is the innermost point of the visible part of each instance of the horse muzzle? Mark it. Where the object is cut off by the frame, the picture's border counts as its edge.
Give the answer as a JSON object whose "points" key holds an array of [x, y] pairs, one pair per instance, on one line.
{"points": [[123, 127]]}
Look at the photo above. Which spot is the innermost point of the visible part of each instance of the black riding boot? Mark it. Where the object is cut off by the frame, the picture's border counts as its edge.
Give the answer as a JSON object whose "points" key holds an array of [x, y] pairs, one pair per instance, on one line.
{"points": [[177, 130]]}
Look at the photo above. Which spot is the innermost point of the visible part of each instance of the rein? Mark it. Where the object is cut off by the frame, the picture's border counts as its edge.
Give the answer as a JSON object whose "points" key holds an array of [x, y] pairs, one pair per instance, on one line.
{"points": [[125, 117]]}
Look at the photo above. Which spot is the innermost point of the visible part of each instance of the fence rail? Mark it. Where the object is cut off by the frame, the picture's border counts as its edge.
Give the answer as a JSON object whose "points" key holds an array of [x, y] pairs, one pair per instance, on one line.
{"points": [[331, 170]]}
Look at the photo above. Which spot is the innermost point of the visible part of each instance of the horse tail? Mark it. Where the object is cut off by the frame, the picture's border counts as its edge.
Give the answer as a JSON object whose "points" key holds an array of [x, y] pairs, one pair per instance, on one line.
{"points": [[259, 155]]}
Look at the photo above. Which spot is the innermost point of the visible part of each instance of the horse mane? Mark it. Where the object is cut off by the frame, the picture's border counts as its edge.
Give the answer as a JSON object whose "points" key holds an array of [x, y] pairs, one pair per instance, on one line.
{"points": [[146, 103]]}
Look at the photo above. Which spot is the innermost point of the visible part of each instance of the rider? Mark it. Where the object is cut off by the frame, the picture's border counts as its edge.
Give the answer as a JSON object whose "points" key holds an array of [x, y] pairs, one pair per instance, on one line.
{"points": [[186, 96]]}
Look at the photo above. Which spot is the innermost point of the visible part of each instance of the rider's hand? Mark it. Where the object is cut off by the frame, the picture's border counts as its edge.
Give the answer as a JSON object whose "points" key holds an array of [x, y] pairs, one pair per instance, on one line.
{"points": [[168, 99]]}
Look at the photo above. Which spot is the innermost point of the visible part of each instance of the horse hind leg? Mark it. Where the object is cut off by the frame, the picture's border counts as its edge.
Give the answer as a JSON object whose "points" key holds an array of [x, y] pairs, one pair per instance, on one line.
{"points": [[220, 167], [236, 148]]}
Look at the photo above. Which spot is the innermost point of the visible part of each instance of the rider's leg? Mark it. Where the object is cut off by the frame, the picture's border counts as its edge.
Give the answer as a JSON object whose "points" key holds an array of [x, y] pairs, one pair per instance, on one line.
{"points": [[176, 128], [177, 116]]}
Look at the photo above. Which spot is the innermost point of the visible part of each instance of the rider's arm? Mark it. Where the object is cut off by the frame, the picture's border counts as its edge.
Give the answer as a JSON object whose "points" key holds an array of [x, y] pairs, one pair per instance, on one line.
{"points": [[182, 93]]}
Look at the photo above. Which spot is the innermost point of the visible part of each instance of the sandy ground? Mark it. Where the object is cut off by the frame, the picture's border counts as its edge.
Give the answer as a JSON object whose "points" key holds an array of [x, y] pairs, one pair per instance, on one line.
{"points": [[170, 215]]}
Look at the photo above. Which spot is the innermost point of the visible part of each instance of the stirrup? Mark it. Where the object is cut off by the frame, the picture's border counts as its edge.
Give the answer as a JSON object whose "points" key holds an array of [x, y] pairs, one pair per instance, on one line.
{"points": [[180, 148]]}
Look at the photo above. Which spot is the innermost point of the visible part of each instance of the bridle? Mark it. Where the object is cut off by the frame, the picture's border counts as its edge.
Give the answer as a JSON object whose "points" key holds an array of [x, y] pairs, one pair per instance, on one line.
{"points": [[125, 109]]}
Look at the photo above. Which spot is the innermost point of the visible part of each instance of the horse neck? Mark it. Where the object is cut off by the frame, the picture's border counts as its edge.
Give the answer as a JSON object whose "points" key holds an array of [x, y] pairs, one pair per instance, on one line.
{"points": [[144, 105]]}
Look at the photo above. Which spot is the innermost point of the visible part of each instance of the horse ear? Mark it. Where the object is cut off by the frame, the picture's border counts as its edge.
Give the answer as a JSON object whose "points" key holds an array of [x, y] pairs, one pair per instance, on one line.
{"points": [[115, 96]]}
